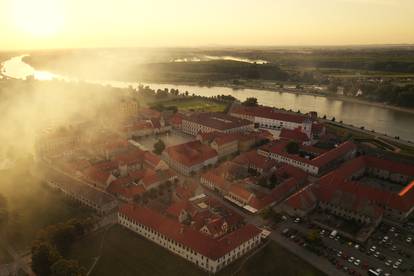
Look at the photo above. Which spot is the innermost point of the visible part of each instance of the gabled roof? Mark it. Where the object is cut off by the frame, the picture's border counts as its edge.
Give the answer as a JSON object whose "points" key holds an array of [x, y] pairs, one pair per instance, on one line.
{"points": [[269, 113], [191, 153], [241, 192], [186, 236], [293, 134], [218, 121], [340, 180]]}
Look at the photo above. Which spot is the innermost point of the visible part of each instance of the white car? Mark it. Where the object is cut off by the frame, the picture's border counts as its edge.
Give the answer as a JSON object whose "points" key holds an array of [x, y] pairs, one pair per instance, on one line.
{"points": [[339, 254], [396, 265], [384, 239], [351, 259], [357, 262], [373, 248], [388, 262], [409, 240], [297, 220]]}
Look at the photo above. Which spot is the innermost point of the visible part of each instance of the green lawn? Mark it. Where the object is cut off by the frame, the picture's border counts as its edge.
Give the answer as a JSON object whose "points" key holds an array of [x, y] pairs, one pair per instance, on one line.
{"points": [[344, 131], [196, 104], [126, 253], [32, 205]]}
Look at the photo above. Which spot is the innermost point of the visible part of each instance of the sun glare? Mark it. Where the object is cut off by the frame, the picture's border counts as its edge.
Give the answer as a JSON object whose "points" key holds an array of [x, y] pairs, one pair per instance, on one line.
{"points": [[39, 18]]}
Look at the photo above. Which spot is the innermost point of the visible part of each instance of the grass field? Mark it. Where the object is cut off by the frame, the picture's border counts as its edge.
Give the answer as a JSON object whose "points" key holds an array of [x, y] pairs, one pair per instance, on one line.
{"points": [[342, 131], [195, 104], [32, 206], [126, 253]]}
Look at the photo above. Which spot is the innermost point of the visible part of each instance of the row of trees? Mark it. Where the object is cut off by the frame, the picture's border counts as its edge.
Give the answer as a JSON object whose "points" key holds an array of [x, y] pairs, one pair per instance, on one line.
{"points": [[388, 92], [52, 245]]}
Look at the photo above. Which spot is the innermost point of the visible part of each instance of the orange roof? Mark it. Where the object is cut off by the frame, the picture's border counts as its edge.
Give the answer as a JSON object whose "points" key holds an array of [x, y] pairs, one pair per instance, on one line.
{"points": [[218, 121], [185, 235], [240, 192], [269, 112], [191, 153], [293, 134]]}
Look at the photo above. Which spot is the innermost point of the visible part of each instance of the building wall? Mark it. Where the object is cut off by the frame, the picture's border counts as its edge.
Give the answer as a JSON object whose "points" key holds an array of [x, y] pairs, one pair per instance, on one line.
{"points": [[298, 164], [101, 209], [194, 128], [225, 149]]}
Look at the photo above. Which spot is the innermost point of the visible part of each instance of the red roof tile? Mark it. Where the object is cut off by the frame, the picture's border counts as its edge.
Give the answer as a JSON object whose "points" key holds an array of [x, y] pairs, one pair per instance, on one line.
{"points": [[191, 153], [270, 113], [185, 235], [218, 121]]}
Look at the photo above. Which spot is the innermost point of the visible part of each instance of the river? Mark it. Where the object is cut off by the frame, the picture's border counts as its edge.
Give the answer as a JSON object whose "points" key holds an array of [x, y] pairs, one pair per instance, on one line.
{"points": [[381, 119]]}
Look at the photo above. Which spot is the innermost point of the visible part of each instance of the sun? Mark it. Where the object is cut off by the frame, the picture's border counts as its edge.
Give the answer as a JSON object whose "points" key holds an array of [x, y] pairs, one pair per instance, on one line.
{"points": [[40, 17]]}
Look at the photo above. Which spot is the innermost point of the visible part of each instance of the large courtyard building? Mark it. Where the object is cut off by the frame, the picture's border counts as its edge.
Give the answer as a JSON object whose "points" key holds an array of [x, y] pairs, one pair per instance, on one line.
{"points": [[366, 190], [209, 253], [190, 157], [209, 122], [310, 160], [272, 118]]}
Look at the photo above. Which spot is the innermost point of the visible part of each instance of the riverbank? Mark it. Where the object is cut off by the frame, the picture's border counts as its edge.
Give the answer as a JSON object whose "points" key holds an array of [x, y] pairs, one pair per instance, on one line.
{"points": [[258, 86]]}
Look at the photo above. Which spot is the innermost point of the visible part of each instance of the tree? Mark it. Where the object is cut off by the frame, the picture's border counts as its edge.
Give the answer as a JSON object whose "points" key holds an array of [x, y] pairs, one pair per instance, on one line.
{"points": [[251, 101], [4, 213], [67, 268], [159, 147], [43, 256], [292, 147]]}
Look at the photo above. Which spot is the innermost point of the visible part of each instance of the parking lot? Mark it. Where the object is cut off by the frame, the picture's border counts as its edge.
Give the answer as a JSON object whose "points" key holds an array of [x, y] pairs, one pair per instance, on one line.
{"points": [[389, 251]]}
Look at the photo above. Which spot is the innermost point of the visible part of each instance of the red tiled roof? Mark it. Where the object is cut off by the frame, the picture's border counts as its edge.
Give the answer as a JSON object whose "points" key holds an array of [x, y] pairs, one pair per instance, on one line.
{"points": [[226, 138], [218, 181], [185, 235], [333, 154], [241, 192], [151, 159], [279, 147], [339, 180], [176, 119], [293, 134], [175, 209], [270, 113], [218, 121], [130, 158], [138, 126], [187, 191], [252, 158], [191, 153], [303, 199]]}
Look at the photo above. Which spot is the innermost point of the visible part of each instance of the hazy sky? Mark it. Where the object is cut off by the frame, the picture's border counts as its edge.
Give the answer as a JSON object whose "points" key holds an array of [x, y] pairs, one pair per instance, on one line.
{"points": [[26, 24]]}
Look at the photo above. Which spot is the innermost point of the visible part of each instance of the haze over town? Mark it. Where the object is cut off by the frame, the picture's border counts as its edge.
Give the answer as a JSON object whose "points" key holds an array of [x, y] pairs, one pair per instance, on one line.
{"points": [[206, 137]]}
